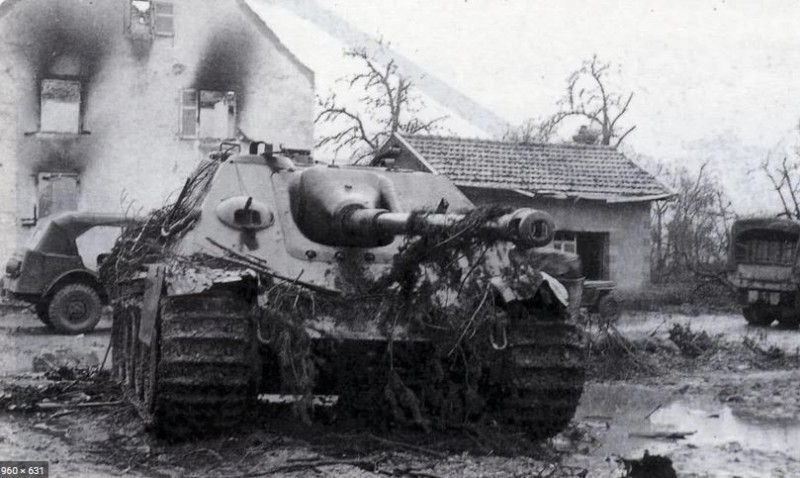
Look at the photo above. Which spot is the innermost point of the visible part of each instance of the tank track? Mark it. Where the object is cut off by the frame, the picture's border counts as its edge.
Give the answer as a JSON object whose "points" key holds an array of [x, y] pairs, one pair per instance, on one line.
{"points": [[544, 373], [200, 374]]}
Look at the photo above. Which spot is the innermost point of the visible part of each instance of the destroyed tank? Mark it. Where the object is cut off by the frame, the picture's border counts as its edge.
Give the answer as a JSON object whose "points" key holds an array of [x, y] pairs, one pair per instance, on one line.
{"points": [[386, 288]]}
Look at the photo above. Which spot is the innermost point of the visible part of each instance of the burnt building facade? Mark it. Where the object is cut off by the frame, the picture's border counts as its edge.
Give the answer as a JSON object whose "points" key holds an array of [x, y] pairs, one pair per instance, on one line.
{"points": [[108, 105]]}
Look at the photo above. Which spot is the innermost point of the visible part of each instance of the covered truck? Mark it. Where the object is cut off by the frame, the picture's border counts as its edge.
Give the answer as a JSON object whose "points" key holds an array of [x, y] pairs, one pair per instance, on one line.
{"points": [[763, 266]]}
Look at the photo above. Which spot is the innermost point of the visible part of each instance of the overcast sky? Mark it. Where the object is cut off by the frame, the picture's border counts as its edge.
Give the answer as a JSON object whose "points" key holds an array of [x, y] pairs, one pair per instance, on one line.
{"points": [[712, 80]]}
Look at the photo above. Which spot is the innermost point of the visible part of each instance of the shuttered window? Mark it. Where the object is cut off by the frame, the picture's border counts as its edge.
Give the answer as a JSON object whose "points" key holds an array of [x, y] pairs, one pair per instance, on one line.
{"points": [[189, 113], [164, 19]]}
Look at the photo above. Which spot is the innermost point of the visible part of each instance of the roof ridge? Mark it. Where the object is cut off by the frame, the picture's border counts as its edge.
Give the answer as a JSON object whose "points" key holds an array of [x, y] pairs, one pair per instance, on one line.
{"points": [[601, 147]]}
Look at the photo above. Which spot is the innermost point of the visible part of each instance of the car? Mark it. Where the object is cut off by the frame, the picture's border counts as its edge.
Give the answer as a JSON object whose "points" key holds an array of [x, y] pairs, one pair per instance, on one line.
{"points": [[49, 273]]}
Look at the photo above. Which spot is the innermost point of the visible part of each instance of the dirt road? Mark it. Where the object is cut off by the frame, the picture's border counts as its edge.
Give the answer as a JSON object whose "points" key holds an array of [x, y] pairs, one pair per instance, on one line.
{"points": [[733, 410]]}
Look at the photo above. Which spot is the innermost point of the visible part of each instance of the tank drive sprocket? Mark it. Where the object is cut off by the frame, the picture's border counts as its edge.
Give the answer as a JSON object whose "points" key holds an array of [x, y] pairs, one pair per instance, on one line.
{"points": [[544, 372], [200, 373]]}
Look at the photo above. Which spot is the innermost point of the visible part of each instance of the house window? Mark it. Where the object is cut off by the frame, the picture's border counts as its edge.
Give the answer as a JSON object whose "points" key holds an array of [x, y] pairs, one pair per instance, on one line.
{"points": [[208, 114], [565, 241], [148, 18], [57, 192], [60, 106]]}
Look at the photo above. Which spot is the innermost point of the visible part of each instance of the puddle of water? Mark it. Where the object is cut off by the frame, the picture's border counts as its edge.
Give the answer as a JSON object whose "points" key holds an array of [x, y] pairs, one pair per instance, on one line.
{"points": [[715, 424], [626, 412]]}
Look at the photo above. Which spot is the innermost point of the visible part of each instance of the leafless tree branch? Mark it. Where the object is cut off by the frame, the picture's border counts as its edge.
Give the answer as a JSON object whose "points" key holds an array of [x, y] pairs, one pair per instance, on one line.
{"points": [[386, 106]]}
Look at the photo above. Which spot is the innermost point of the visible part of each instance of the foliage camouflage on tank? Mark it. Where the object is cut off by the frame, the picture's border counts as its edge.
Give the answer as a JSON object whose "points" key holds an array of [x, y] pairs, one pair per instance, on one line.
{"points": [[444, 325]]}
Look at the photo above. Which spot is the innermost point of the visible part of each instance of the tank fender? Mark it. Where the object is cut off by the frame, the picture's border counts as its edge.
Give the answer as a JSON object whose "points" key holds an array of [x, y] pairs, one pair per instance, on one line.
{"points": [[77, 275], [509, 294]]}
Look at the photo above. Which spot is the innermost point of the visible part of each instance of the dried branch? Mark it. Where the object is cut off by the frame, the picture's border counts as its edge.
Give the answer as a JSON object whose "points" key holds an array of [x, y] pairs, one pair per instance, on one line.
{"points": [[386, 106], [587, 96]]}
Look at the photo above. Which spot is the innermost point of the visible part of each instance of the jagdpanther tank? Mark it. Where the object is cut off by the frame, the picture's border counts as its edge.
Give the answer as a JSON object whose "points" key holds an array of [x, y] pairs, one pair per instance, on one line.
{"points": [[384, 287]]}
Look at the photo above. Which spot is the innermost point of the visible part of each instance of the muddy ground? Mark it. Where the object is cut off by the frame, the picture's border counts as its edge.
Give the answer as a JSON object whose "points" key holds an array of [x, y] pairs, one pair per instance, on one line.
{"points": [[709, 393]]}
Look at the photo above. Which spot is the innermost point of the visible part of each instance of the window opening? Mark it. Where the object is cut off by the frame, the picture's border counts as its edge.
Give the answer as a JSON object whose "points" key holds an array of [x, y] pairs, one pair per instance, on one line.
{"points": [[57, 192], [148, 18], [141, 18], [208, 114], [60, 106], [764, 251], [565, 241]]}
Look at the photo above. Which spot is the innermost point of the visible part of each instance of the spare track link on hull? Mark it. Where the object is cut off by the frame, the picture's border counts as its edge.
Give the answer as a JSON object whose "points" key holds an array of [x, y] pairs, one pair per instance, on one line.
{"points": [[545, 366], [200, 373]]}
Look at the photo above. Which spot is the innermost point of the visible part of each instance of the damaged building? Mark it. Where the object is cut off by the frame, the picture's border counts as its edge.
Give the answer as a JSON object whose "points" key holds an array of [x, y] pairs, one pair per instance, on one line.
{"points": [[108, 105], [600, 199]]}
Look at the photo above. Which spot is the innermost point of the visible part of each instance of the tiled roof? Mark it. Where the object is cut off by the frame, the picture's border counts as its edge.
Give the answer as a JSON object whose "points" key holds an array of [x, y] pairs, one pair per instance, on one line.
{"points": [[569, 170]]}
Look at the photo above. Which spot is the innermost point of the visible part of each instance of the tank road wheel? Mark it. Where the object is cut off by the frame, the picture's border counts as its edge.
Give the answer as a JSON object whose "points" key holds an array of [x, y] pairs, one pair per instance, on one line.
{"points": [[205, 378], [75, 309], [544, 372], [757, 316]]}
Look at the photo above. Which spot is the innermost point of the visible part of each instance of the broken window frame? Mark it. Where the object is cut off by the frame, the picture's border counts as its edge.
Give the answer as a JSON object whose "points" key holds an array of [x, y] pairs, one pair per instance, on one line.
{"points": [[157, 14], [191, 113], [81, 96]]}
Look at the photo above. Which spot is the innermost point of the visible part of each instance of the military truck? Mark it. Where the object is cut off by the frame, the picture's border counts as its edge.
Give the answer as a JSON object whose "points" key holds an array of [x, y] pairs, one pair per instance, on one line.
{"points": [[385, 287], [49, 273], [763, 267]]}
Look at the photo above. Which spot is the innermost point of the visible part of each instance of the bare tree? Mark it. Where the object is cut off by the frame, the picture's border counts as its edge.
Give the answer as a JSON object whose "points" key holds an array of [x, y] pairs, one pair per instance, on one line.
{"points": [[588, 97], [691, 232], [531, 131], [386, 106], [785, 179]]}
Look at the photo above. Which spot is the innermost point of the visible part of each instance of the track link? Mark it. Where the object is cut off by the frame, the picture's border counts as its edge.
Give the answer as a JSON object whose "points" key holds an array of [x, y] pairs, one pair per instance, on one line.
{"points": [[200, 374], [544, 375]]}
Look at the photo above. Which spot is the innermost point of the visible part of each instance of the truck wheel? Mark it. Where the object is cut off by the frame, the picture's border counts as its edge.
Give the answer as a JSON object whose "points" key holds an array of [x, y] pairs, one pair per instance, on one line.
{"points": [[788, 318], [757, 316], [75, 309], [42, 312]]}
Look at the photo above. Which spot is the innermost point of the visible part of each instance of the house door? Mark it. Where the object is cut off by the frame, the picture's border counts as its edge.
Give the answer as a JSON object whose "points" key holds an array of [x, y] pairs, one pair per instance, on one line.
{"points": [[57, 192], [592, 247]]}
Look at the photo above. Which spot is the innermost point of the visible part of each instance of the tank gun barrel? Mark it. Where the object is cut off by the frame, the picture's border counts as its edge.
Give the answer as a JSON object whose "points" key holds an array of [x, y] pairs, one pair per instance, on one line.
{"points": [[525, 227]]}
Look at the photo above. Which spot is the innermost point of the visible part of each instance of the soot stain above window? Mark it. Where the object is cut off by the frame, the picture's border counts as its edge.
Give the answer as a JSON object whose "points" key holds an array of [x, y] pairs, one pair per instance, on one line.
{"points": [[225, 64]]}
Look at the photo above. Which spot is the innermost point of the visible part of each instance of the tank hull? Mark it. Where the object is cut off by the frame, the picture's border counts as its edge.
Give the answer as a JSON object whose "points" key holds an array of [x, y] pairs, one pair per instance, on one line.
{"points": [[243, 294]]}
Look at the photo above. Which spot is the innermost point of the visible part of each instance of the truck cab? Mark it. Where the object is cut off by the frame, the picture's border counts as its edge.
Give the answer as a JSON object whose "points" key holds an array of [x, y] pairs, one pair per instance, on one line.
{"points": [[762, 261]]}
